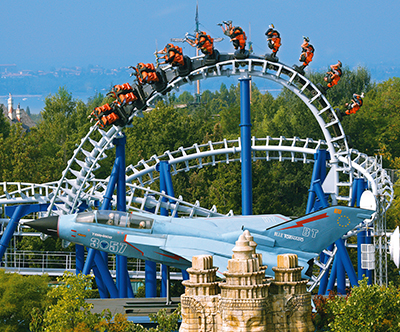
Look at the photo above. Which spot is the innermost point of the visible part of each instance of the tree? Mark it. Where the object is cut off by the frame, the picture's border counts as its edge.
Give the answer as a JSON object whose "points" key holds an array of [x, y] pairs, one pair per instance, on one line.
{"points": [[69, 311], [64, 122], [18, 295], [4, 124], [366, 308], [185, 98]]}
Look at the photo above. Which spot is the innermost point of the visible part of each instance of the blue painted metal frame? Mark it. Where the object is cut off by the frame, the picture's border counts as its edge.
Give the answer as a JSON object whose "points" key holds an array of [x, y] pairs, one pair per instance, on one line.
{"points": [[98, 261], [341, 265], [245, 143], [165, 186], [16, 212], [318, 174]]}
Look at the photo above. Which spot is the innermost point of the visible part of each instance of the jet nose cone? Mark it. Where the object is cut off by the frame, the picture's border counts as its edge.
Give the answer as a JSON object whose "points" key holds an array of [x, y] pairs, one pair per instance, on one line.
{"points": [[45, 225]]}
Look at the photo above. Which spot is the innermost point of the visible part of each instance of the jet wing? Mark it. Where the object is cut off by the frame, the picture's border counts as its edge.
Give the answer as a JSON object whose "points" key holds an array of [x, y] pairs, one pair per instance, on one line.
{"points": [[218, 261], [187, 247]]}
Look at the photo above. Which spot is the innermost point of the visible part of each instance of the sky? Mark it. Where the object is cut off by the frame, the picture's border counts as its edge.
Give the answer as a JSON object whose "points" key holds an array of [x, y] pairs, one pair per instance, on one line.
{"points": [[47, 35], [43, 34]]}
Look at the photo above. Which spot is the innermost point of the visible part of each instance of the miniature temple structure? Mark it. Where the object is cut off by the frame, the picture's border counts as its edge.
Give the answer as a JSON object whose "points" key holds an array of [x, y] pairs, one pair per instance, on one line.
{"points": [[245, 300]]}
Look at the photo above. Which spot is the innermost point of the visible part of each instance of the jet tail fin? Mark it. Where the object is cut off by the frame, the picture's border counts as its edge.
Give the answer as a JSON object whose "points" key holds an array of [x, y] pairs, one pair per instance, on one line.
{"points": [[316, 231]]}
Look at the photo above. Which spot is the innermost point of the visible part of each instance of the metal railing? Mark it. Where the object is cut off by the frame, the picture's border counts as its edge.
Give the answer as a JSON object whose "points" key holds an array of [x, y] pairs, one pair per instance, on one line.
{"points": [[55, 263]]}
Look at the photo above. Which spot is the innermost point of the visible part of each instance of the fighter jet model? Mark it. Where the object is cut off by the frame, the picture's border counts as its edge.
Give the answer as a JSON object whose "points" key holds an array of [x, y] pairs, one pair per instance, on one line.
{"points": [[174, 241]]}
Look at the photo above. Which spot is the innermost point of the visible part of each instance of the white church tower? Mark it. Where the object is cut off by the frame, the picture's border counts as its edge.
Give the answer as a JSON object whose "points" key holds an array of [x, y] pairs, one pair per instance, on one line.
{"points": [[10, 107]]}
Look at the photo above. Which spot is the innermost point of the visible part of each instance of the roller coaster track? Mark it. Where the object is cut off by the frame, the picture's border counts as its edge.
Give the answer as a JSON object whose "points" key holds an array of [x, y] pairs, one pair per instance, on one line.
{"points": [[345, 164], [195, 157], [78, 184]]}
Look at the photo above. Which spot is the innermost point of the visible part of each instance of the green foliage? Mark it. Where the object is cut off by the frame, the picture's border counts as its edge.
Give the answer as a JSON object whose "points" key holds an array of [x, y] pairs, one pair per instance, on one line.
{"points": [[166, 323], [4, 125], [366, 308], [322, 315], [41, 155], [176, 289], [69, 311], [18, 295]]}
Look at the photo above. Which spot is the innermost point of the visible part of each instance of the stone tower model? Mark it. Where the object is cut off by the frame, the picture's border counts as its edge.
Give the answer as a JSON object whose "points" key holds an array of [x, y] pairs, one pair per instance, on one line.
{"points": [[245, 301]]}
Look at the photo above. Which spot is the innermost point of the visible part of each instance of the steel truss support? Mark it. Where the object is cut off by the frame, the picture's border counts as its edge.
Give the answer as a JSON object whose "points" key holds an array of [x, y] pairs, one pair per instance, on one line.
{"points": [[98, 261], [317, 200], [342, 262], [380, 243]]}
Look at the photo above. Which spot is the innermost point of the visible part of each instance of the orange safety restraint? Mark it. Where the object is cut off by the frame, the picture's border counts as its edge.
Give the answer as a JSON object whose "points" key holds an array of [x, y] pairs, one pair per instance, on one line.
{"points": [[105, 115], [123, 94], [333, 79], [275, 39], [108, 119], [174, 55], [146, 73], [205, 43], [355, 105], [308, 53], [333, 76], [238, 37]]}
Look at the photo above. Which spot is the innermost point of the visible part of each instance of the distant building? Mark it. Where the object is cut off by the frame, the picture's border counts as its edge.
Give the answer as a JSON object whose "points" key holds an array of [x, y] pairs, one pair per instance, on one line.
{"points": [[16, 115]]}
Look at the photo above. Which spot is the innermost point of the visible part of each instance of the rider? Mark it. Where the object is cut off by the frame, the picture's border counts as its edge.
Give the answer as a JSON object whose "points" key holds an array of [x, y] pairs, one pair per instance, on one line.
{"points": [[236, 34], [117, 111], [307, 53], [204, 42], [172, 55], [274, 40], [332, 77], [145, 73], [355, 104]]}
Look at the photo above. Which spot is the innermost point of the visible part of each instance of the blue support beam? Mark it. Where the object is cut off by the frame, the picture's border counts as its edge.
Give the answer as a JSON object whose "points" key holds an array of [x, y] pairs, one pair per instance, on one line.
{"points": [[317, 200], [100, 284], [185, 275], [19, 212], [164, 280], [319, 173], [98, 260], [340, 276], [324, 280], [359, 186], [245, 143], [345, 259], [332, 278], [123, 281], [150, 279], [105, 274], [16, 212], [79, 258], [165, 185]]}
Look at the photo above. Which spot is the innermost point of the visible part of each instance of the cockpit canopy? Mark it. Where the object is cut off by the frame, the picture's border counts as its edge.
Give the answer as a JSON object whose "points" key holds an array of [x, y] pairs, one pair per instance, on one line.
{"points": [[116, 218]]}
